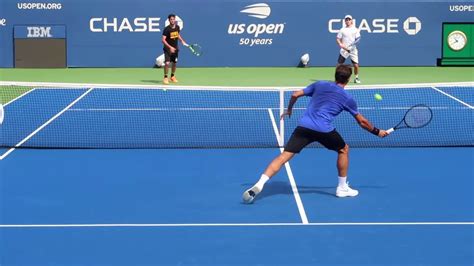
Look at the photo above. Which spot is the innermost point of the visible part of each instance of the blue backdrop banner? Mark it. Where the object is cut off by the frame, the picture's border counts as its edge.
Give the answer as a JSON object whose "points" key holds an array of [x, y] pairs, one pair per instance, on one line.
{"points": [[126, 33]]}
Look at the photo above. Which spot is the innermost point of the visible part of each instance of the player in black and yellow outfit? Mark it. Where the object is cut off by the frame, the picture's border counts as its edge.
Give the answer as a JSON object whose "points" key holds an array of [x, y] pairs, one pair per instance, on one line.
{"points": [[170, 47]]}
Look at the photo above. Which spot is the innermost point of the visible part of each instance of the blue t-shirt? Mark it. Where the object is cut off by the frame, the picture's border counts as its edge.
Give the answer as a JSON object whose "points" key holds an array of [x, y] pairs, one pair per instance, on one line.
{"points": [[327, 100]]}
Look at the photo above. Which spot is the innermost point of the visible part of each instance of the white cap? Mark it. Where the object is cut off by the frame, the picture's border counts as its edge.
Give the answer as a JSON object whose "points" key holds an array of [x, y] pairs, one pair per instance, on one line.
{"points": [[348, 16], [305, 59]]}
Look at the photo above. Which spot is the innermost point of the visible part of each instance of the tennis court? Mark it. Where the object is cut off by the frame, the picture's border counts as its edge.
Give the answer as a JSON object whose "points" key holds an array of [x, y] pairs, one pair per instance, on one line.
{"points": [[135, 175]]}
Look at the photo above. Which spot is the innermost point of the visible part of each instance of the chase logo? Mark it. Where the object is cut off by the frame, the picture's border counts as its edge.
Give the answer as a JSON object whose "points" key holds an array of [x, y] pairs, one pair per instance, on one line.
{"points": [[412, 25], [39, 32], [3, 22], [260, 10], [142, 24]]}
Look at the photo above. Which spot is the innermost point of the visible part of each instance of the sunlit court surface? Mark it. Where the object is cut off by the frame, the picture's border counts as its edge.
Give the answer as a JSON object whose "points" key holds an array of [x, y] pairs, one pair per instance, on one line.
{"points": [[140, 132], [71, 193]]}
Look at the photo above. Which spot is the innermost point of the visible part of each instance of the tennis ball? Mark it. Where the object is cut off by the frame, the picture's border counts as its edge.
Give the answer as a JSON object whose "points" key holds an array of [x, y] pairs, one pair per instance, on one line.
{"points": [[378, 97]]}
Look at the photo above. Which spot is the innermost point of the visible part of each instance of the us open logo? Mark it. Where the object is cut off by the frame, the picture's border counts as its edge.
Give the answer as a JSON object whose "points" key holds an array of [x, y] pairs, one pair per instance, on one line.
{"points": [[261, 10], [253, 31]]}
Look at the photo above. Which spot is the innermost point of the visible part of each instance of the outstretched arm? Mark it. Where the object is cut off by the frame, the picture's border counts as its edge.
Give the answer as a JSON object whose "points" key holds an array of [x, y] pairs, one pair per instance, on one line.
{"points": [[182, 40], [294, 98], [365, 124]]}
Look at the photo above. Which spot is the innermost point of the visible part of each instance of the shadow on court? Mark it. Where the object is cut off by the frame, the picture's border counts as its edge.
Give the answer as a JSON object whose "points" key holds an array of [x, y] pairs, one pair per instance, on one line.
{"points": [[274, 188], [152, 81]]}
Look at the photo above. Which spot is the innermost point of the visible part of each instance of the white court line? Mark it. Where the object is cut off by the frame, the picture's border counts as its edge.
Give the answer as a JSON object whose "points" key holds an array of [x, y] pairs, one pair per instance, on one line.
{"points": [[299, 203], [25, 93], [172, 109], [55, 85], [44, 125], [452, 97], [236, 224], [238, 109]]}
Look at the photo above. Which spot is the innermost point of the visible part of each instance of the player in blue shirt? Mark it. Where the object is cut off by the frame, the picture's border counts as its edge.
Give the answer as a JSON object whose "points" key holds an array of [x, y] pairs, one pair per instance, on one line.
{"points": [[328, 100]]}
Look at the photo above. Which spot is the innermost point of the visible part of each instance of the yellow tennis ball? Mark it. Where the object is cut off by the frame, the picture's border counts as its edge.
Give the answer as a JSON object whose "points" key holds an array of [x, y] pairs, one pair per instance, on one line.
{"points": [[378, 97]]}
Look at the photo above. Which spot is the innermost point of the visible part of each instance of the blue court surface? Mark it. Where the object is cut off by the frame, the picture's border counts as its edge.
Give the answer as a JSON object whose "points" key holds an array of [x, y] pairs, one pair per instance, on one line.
{"points": [[183, 206]]}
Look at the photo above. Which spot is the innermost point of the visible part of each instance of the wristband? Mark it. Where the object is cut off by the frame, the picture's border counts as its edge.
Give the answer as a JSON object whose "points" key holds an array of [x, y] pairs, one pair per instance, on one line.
{"points": [[375, 131]]}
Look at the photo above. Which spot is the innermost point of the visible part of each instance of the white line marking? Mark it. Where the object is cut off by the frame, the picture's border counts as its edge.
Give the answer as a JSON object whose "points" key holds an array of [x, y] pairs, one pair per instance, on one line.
{"points": [[452, 97], [275, 128], [45, 124], [299, 203], [25, 93], [236, 224], [172, 109], [47, 85], [237, 109]]}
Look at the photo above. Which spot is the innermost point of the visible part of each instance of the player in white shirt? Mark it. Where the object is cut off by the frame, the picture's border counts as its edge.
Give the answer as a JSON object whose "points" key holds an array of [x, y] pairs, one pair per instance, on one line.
{"points": [[347, 39]]}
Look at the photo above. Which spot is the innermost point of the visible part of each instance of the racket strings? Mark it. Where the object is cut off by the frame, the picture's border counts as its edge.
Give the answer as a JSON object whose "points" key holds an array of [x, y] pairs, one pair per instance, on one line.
{"points": [[195, 49], [418, 116]]}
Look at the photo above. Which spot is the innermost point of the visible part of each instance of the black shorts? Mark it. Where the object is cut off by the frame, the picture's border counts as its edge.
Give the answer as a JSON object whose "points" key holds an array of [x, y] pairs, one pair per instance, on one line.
{"points": [[301, 137], [169, 57], [341, 60]]}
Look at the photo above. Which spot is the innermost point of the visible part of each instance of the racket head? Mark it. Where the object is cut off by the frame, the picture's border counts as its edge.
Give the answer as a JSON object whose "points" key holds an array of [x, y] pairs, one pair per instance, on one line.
{"points": [[196, 49], [2, 115], [418, 116]]}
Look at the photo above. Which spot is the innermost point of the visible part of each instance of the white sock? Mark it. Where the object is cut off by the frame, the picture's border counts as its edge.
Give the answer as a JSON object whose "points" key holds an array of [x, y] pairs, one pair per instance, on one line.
{"points": [[342, 181], [262, 181], [357, 76]]}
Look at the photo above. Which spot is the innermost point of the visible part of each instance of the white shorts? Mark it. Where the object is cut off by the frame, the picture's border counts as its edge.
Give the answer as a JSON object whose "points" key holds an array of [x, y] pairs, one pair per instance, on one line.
{"points": [[353, 55]]}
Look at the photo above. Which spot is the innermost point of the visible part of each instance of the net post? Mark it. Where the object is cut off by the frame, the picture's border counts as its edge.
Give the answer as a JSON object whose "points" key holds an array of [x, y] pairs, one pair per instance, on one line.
{"points": [[282, 121]]}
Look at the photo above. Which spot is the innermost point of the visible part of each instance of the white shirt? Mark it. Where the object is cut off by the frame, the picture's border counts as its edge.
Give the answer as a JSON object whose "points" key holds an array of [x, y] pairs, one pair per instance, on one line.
{"points": [[348, 35]]}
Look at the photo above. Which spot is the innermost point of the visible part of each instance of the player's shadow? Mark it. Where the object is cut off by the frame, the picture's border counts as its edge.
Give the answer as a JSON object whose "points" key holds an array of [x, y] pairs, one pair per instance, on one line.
{"points": [[152, 81], [273, 188]]}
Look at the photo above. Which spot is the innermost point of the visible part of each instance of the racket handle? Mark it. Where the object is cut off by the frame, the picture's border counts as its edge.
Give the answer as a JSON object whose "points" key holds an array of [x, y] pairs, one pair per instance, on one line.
{"points": [[390, 130]]}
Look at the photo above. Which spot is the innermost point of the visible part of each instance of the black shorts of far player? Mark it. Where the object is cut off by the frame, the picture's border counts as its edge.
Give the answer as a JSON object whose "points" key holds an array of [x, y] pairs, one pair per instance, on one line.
{"points": [[171, 57], [341, 60], [302, 136]]}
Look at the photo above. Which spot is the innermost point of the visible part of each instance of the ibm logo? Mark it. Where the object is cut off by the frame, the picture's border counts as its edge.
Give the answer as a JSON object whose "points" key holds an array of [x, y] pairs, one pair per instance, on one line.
{"points": [[39, 32]]}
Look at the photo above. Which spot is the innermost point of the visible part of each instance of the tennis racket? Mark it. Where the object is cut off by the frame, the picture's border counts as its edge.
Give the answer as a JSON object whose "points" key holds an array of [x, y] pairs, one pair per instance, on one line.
{"points": [[351, 47], [417, 116], [1, 114], [195, 49]]}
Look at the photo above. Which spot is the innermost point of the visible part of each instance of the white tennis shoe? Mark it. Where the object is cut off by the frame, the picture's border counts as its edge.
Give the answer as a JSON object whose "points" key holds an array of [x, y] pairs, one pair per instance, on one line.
{"points": [[250, 194], [346, 191]]}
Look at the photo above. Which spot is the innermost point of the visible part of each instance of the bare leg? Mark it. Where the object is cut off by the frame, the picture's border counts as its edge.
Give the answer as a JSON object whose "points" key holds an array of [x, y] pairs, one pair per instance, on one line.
{"points": [[343, 189], [273, 168], [166, 68], [277, 163], [343, 161], [356, 69], [173, 69]]}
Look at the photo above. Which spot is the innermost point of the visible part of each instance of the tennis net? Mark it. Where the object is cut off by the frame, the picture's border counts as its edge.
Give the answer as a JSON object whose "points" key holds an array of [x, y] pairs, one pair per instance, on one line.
{"points": [[59, 115]]}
